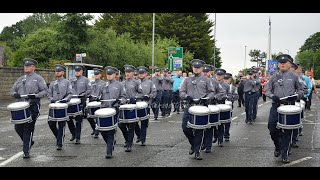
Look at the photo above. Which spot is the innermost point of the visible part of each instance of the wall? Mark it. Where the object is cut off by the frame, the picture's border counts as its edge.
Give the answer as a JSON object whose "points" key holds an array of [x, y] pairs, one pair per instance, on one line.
{"points": [[8, 77]]}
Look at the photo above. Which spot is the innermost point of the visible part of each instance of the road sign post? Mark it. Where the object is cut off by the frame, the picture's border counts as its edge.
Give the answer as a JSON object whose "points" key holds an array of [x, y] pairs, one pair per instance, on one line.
{"points": [[175, 58]]}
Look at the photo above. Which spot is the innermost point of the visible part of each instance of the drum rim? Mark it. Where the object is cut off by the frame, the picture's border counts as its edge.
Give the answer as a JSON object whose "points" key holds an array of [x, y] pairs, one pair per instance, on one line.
{"points": [[211, 112], [74, 103], [64, 104], [206, 109], [114, 112], [21, 121], [193, 126], [127, 107], [20, 108], [142, 105], [224, 107], [97, 104], [297, 111]]}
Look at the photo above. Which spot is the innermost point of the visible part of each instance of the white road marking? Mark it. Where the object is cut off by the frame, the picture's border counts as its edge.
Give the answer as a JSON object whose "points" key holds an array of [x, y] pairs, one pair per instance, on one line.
{"points": [[267, 102], [2, 149], [243, 113], [260, 105], [246, 138], [10, 136], [1, 158], [297, 161], [11, 159], [235, 118], [308, 121]]}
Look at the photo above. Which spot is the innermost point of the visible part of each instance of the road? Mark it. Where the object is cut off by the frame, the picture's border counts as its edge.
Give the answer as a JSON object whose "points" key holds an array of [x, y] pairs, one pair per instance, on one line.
{"points": [[249, 146]]}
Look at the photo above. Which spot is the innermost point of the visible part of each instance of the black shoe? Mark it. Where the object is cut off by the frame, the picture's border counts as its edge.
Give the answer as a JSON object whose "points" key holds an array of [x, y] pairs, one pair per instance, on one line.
{"points": [[174, 110], [276, 153], [128, 149], [247, 120], [203, 148], [73, 138], [300, 134], [143, 143], [227, 139], [156, 118], [77, 141], [32, 143], [191, 151], [294, 146], [125, 144], [26, 156], [96, 136], [220, 144], [108, 156], [250, 122], [207, 151], [239, 106], [178, 112], [92, 133], [138, 140], [197, 156], [285, 160], [215, 140], [59, 148]]}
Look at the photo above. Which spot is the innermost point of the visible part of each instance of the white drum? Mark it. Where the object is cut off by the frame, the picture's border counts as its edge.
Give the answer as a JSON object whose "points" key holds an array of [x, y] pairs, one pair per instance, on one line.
{"points": [[128, 113], [142, 111], [228, 103], [200, 117], [214, 115], [106, 119], [20, 112], [92, 107], [225, 113], [289, 117], [74, 108], [58, 112]]}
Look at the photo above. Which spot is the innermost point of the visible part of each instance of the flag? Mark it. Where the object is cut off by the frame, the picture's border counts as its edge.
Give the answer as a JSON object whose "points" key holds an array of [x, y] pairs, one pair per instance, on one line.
{"points": [[311, 72]]}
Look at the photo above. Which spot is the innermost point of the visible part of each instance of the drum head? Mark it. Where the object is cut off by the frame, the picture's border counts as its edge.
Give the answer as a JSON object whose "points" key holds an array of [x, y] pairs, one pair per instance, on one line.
{"points": [[302, 102], [74, 101], [141, 105], [224, 107], [289, 109], [214, 109], [58, 105], [128, 107], [228, 103], [105, 112], [199, 110], [18, 105], [94, 104]]}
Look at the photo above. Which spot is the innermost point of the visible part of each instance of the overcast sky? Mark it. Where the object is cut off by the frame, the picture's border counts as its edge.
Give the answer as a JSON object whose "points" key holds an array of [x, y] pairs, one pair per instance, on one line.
{"points": [[234, 31]]}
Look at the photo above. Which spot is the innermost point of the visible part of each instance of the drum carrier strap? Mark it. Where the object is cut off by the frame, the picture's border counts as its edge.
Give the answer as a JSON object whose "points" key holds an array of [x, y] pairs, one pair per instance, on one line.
{"points": [[24, 84]]}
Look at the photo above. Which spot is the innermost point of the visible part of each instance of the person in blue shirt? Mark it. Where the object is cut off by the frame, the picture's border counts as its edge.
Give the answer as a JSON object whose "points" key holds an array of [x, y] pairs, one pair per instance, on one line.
{"points": [[176, 87]]}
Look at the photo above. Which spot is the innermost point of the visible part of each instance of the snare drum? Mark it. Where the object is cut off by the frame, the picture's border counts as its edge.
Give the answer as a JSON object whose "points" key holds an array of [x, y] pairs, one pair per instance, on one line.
{"points": [[128, 113], [289, 117], [58, 112], [106, 119], [74, 108], [199, 117], [20, 112], [142, 111], [225, 113], [303, 106], [300, 105], [228, 103], [214, 115], [92, 107]]}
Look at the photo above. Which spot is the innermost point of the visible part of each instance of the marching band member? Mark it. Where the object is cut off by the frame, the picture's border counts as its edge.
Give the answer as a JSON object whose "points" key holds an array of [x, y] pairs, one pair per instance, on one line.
{"points": [[157, 81], [35, 87], [59, 90]]}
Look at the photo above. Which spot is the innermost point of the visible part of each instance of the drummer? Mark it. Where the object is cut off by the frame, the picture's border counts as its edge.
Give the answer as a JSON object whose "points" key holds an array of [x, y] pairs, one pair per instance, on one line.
{"points": [[196, 87], [81, 88], [35, 87], [282, 84], [96, 86], [147, 94], [132, 88], [112, 90], [59, 90], [218, 94]]}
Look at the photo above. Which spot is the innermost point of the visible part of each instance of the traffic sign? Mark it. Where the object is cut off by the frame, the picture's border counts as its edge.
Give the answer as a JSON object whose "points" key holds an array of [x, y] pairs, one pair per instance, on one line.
{"points": [[78, 57], [175, 58]]}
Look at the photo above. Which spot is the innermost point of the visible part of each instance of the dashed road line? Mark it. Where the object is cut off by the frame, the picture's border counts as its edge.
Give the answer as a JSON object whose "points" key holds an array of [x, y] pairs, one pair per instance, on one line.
{"points": [[297, 161], [11, 159]]}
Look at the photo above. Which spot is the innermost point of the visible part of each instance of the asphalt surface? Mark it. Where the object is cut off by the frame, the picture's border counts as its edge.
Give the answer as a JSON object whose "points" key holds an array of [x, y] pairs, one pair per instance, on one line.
{"points": [[249, 146]]}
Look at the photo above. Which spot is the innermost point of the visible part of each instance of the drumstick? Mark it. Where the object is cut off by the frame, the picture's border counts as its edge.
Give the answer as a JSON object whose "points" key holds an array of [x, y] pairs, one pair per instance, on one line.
{"points": [[288, 96], [26, 95], [108, 100]]}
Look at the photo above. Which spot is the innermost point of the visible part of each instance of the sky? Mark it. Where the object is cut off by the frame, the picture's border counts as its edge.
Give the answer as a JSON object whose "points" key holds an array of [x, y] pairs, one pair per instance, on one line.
{"points": [[234, 31]]}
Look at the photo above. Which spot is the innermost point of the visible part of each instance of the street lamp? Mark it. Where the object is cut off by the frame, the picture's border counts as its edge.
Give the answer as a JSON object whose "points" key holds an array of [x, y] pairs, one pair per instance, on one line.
{"points": [[214, 49], [153, 21], [245, 56]]}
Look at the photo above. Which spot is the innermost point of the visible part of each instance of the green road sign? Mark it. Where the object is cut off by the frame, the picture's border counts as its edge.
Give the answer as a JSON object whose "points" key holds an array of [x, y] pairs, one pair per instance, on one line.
{"points": [[175, 58]]}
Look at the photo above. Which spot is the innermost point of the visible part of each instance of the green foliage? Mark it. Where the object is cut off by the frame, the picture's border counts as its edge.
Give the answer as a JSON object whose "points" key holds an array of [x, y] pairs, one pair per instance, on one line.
{"points": [[8, 54], [53, 62], [312, 43], [257, 56], [309, 58]]}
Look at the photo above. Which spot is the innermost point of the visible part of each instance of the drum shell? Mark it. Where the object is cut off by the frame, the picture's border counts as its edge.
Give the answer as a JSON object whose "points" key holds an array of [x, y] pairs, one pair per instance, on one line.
{"points": [[289, 119], [19, 112], [128, 114], [106, 122], [214, 115], [199, 120], [58, 113]]}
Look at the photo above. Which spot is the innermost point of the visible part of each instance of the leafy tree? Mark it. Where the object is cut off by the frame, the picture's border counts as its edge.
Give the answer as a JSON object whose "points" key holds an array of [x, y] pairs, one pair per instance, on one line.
{"points": [[257, 56], [312, 43], [8, 53]]}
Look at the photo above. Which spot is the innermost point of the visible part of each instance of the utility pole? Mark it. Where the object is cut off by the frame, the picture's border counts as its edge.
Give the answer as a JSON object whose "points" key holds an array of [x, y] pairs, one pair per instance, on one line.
{"points": [[153, 26], [214, 48], [245, 57]]}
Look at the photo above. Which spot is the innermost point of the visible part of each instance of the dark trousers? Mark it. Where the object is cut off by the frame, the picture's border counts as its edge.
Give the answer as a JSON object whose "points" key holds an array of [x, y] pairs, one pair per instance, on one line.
{"points": [[155, 104], [176, 101], [170, 102], [308, 103], [92, 123], [249, 105], [280, 137], [109, 138], [195, 136], [75, 129], [165, 102], [255, 104], [26, 130], [58, 132], [142, 132], [208, 136], [240, 100], [127, 130]]}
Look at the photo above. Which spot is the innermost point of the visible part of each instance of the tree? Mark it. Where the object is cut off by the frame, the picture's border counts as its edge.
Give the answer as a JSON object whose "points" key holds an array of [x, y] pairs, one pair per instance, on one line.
{"points": [[312, 43], [257, 56]]}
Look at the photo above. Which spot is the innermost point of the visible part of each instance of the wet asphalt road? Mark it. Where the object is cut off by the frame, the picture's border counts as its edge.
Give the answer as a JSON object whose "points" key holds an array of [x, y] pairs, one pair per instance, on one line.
{"points": [[249, 146]]}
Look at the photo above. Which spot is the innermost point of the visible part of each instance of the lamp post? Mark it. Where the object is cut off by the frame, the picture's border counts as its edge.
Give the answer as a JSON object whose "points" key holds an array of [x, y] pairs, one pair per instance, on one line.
{"points": [[214, 48], [245, 56], [153, 24]]}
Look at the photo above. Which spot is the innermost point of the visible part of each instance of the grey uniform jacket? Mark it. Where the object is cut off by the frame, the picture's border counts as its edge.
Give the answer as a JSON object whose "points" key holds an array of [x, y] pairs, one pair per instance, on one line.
{"points": [[157, 81], [167, 83], [132, 88], [81, 86], [96, 86], [60, 89], [33, 83], [257, 82], [249, 85], [112, 90], [219, 91], [284, 84], [197, 87], [231, 91], [148, 88]]}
